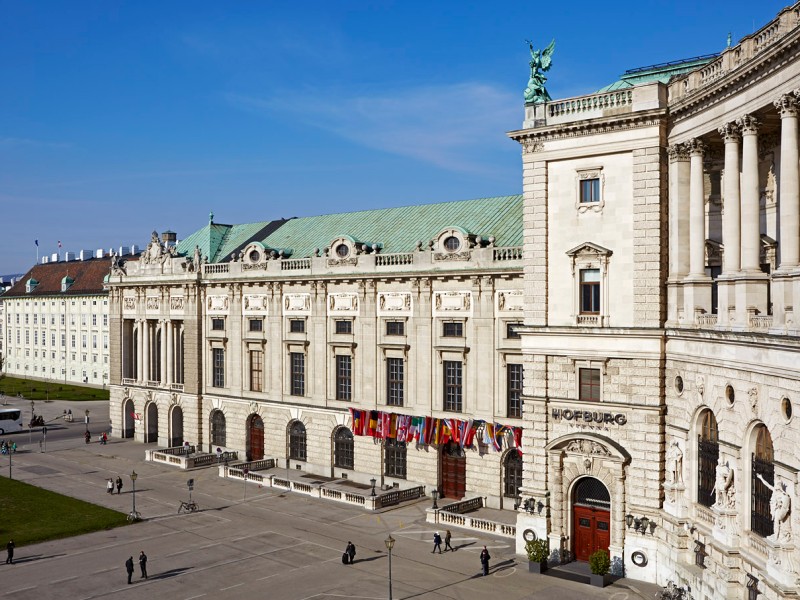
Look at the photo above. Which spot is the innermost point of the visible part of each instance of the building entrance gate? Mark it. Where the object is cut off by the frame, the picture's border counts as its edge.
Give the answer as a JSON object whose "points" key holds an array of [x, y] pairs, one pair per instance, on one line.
{"points": [[256, 437], [454, 471], [591, 518]]}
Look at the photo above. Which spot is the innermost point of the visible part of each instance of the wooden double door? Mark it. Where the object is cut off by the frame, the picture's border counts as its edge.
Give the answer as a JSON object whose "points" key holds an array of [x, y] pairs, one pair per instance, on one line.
{"points": [[454, 472], [256, 435], [591, 530]]}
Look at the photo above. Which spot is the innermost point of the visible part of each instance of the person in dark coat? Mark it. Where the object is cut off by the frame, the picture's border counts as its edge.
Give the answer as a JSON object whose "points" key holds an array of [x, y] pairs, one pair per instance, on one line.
{"points": [[119, 484], [437, 543], [447, 545], [143, 564], [10, 552], [485, 560], [351, 551], [129, 568]]}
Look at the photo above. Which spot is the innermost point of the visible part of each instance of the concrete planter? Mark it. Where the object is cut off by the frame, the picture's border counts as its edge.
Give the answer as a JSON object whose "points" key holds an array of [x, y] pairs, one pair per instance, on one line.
{"points": [[600, 580], [537, 567]]}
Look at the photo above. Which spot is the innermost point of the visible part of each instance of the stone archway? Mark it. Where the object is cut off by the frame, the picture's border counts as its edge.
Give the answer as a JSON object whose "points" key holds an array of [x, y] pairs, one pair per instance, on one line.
{"points": [[151, 420], [176, 426], [128, 412], [255, 438]]}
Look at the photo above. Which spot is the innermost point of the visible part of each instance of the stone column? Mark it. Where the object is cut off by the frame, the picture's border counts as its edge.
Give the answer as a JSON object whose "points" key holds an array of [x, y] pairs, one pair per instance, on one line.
{"points": [[751, 233], [170, 352], [145, 351], [162, 375], [731, 220], [678, 228], [789, 194], [697, 210], [139, 351]]}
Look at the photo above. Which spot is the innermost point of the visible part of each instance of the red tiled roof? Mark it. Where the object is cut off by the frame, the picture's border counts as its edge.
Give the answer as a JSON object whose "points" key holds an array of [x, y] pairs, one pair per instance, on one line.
{"points": [[88, 276]]}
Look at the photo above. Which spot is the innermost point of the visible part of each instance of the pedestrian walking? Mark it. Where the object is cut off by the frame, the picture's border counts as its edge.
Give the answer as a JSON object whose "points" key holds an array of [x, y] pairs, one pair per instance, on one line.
{"points": [[129, 567], [14, 447], [437, 543], [143, 564], [110, 486], [119, 484], [10, 552], [485, 561], [104, 438], [351, 551], [447, 541]]}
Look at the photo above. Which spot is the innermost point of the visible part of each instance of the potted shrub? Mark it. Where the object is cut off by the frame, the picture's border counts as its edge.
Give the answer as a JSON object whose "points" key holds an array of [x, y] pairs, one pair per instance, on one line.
{"points": [[538, 551], [600, 565]]}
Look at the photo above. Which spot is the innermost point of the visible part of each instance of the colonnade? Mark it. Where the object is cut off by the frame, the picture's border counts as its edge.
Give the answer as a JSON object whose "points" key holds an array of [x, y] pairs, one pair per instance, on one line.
{"points": [[743, 287], [155, 350]]}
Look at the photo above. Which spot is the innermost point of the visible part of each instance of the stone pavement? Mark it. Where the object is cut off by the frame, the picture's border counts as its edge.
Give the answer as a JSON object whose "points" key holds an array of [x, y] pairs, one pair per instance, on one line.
{"points": [[251, 542]]}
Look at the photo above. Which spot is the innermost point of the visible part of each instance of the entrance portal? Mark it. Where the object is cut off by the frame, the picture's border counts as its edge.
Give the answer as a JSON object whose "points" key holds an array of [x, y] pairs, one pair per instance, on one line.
{"points": [[127, 419], [591, 518], [255, 450], [176, 427], [454, 471], [152, 424]]}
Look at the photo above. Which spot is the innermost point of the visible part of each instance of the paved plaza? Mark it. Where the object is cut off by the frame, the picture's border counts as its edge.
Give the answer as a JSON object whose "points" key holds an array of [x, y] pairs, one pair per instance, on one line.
{"points": [[249, 542]]}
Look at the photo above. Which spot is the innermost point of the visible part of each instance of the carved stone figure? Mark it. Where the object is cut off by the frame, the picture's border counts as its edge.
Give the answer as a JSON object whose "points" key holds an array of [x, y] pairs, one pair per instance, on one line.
{"points": [[197, 258], [540, 62], [674, 463], [723, 487], [117, 265], [780, 506], [154, 253]]}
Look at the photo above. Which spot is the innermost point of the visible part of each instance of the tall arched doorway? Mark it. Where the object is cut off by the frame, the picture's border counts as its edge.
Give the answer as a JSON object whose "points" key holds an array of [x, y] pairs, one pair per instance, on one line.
{"points": [[255, 438], [152, 424], [127, 418], [176, 427], [454, 471], [218, 430], [591, 518]]}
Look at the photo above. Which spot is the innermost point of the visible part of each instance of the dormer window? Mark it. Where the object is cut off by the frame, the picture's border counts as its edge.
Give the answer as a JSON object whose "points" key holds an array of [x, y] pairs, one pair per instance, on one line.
{"points": [[342, 250], [66, 283], [30, 285], [452, 243]]}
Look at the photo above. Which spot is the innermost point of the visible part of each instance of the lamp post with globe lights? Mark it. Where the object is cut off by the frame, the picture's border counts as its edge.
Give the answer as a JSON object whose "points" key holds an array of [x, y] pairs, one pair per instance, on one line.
{"points": [[389, 545]]}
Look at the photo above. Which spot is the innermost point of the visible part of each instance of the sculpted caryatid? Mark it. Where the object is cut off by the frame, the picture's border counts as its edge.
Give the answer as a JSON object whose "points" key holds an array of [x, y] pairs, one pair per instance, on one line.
{"points": [[540, 62], [723, 487], [780, 505], [675, 463]]}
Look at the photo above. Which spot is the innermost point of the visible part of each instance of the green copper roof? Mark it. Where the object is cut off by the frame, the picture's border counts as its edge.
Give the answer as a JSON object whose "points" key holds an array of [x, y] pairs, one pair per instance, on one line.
{"points": [[395, 229], [661, 72], [399, 229]]}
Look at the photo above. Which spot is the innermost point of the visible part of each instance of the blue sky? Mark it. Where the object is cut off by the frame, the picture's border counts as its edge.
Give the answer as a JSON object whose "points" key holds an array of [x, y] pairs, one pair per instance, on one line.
{"points": [[118, 118]]}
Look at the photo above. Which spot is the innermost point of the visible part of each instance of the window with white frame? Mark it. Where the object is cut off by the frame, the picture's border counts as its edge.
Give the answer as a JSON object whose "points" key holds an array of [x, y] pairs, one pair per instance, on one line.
{"points": [[589, 192], [590, 265]]}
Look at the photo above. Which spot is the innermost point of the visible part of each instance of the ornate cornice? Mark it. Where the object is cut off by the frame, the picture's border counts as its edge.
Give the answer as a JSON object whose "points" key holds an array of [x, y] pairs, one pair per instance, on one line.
{"points": [[537, 137]]}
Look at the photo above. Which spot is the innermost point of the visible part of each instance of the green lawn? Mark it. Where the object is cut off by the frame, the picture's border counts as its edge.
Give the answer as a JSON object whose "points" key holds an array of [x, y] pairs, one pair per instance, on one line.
{"points": [[44, 390], [29, 514]]}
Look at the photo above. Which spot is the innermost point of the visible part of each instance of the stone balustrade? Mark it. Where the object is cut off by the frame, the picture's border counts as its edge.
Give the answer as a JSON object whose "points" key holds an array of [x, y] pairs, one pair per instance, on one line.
{"points": [[216, 268], [187, 457], [454, 514], [394, 260]]}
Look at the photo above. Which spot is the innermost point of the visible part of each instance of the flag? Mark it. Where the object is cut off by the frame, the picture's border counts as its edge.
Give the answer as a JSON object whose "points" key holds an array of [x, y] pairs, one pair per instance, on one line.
{"points": [[59, 243], [36, 242]]}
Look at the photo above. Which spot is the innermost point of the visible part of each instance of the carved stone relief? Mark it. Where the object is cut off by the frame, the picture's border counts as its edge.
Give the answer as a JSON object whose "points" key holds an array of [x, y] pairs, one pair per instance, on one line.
{"points": [[343, 303], [128, 303], [297, 303], [218, 303], [510, 301], [452, 256], [152, 303], [394, 303], [449, 302], [587, 447], [255, 303], [176, 302]]}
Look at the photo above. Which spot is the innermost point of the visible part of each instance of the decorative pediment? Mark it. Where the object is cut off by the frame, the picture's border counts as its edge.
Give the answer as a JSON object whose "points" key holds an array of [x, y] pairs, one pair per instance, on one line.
{"points": [[589, 444], [588, 249]]}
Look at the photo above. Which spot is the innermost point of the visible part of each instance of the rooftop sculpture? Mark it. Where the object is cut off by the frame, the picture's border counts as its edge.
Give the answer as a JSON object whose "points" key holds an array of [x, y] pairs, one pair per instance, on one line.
{"points": [[540, 62]]}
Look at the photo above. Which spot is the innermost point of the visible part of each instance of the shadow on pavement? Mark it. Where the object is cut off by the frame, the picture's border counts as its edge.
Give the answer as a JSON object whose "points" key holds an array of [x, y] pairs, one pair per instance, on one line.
{"points": [[35, 557], [170, 573]]}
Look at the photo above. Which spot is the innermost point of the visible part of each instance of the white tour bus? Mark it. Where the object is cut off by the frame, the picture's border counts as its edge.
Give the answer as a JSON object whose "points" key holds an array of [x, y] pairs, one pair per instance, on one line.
{"points": [[10, 420]]}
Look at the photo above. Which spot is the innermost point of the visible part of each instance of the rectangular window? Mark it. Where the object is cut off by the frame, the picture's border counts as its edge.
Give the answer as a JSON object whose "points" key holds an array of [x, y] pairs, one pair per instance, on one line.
{"points": [[514, 390], [63, 340], [344, 377], [394, 458], [590, 291], [590, 190], [83, 341], [511, 331], [453, 329], [218, 324], [63, 319], [395, 328], [453, 399], [218, 367], [700, 554], [297, 325], [94, 319], [105, 320], [256, 325], [35, 319], [298, 374], [344, 326], [94, 342], [256, 370], [73, 340], [394, 381], [589, 385]]}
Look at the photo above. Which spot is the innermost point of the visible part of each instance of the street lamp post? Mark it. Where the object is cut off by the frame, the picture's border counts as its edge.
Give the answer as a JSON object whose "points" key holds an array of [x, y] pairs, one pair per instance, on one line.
{"points": [[245, 471], [435, 494], [134, 516], [389, 545], [372, 481]]}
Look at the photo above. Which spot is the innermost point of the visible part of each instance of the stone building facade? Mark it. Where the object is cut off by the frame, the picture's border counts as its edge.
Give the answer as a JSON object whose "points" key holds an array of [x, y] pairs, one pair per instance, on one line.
{"points": [[262, 337], [662, 246]]}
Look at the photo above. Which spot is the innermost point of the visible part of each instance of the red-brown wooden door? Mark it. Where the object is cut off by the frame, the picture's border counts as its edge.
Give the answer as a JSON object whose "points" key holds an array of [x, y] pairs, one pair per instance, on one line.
{"points": [[454, 472], [256, 438], [591, 530]]}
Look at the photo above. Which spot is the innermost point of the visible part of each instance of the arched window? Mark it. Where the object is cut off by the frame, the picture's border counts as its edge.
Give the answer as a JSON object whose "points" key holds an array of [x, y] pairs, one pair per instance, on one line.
{"points": [[513, 474], [343, 448], [707, 458], [762, 473], [218, 436], [297, 441]]}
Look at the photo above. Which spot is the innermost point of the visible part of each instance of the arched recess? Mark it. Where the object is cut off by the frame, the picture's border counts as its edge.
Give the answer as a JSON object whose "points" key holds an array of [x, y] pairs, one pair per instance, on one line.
{"points": [[512, 476], [758, 483], [151, 422], [176, 426], [255, 437], [706, 456], [580, 455], [128, 411], [217, 430]]}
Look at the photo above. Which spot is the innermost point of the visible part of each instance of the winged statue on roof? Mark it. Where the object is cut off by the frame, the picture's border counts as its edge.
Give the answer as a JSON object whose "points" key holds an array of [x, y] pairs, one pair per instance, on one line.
{"points": [[540, 63]]}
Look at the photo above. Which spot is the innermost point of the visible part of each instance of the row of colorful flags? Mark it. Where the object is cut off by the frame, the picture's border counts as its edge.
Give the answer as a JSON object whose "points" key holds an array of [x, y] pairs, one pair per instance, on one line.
{"points": [[431, 430]]}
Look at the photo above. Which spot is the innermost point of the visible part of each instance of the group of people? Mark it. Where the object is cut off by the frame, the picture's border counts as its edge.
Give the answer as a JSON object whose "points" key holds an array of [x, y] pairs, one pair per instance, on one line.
{"points": [[142, 566], [110, 485], [6, 448], [437, 542]]}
